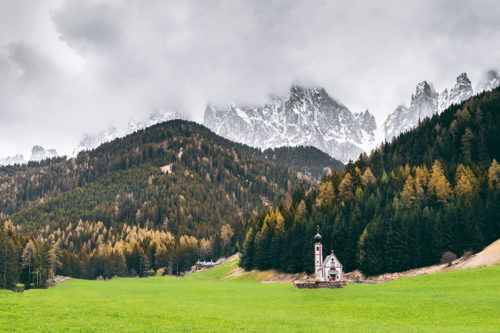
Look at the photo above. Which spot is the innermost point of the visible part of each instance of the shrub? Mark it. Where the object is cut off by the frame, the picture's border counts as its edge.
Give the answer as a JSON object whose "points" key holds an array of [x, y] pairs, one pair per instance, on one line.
{"points": [[448, 258]]}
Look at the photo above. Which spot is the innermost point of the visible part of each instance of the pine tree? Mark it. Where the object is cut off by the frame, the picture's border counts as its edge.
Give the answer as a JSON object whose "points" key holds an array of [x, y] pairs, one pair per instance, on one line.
{"points": [[247, 256], [466, 148]]}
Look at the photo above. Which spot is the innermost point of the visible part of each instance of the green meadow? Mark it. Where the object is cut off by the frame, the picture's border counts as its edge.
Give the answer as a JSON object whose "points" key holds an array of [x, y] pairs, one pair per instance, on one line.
{"points": [[461, 301]]}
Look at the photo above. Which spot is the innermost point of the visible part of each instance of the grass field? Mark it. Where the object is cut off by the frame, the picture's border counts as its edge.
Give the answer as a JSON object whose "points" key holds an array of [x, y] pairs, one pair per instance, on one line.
{"points": [[461, 301]]}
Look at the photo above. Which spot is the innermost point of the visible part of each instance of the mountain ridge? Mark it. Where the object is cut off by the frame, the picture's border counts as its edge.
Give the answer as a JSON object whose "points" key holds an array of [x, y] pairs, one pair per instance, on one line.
{"points": [[306, 116]]}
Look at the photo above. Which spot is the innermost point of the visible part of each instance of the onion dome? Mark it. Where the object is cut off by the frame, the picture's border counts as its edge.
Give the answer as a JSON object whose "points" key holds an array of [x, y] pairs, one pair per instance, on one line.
{"points": [[317, 237]]}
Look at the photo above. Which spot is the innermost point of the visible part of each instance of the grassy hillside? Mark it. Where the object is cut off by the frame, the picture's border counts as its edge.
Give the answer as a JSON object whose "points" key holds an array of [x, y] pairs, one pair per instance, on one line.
{"points": [[461, 301]]}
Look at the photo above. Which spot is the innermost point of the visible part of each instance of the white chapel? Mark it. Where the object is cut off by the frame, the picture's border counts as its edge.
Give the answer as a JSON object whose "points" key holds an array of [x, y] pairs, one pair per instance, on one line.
{"points": [[329, 269]]}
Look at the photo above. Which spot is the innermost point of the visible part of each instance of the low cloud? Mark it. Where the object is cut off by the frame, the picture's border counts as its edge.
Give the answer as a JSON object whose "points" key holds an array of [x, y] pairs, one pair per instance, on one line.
{"points": [[79, 66]]}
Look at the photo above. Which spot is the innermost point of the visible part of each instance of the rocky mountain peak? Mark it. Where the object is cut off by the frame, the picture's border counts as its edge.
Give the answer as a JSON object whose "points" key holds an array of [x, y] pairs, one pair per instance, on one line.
{"points": [[425, 102], [307, 116], [461, 91]]}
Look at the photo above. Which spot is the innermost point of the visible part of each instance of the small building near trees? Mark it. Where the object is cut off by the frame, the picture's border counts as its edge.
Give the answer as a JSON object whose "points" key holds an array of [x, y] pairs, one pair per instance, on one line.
{"points": [[329, 269]]}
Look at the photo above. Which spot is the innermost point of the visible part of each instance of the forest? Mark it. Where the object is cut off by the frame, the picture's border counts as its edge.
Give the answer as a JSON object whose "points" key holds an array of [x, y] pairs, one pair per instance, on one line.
{"points": [[431, 190]]}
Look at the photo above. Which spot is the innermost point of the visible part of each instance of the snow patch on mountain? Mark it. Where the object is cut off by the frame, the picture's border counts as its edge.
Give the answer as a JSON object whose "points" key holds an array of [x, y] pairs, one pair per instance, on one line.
{"points": [[306, 116]]}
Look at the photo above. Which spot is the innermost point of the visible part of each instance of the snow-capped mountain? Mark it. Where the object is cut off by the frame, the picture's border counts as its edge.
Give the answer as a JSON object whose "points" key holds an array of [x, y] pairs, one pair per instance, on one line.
{"points": [[425, 102], [89, 142], [38, 153], [460, 92], [307, 116], [10, 160]]}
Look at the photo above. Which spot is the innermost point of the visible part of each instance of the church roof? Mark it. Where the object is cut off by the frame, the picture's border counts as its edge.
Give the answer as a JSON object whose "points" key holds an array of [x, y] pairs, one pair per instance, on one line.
{"points": [[326, 262]]}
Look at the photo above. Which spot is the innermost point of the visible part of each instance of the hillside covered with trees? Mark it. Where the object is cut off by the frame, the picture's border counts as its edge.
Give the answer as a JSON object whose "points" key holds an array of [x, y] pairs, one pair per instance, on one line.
{"points": [[309, 160], [433, 189], [161, 197]]}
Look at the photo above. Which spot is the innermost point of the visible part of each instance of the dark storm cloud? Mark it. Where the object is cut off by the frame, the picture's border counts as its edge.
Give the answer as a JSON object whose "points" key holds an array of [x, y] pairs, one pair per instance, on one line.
{"points": [[69, 67]]}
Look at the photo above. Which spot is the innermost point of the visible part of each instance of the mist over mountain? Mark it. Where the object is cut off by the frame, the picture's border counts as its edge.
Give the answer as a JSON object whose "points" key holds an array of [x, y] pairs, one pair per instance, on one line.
{"points": [[89, 141]]}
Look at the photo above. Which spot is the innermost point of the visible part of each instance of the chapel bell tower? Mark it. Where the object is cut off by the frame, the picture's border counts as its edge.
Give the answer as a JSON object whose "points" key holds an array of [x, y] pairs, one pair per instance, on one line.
{"points": [[318, 256]]}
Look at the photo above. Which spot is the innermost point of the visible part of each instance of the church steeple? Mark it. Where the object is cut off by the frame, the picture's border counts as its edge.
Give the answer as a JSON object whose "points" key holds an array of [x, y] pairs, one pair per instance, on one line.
{"points": [[317, 237], [318, 256]]}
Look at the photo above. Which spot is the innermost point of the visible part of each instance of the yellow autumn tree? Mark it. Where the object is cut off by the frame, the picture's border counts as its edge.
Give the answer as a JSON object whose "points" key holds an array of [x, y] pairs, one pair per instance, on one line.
{"points": [[368, 177], [438, 184], [466, 184], [408, 195], [326, 193], [346, 186], [421, 180], [301, 209]]}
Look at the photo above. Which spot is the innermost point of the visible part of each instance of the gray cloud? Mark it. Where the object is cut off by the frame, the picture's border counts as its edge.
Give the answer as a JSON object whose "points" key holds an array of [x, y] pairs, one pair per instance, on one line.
{"points": [[69, 67]]}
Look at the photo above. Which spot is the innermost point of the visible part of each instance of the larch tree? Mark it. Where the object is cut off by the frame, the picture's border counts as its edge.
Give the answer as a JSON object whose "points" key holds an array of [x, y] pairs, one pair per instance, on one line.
{"points": [[346, 186], [326, 193], [438, 184], [368, 177], [408, 195]]}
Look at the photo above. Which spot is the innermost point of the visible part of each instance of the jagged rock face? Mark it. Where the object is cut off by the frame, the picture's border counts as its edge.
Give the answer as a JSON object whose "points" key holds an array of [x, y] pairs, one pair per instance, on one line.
{"points": [[443, 100], [38, 153], [401, 120], [460, 92], [425, 103], [10, 160], [305, 117]]}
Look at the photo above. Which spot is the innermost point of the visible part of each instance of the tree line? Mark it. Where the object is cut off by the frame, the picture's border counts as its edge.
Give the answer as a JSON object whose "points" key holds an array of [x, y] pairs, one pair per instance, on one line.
{"points": [[90, 250]]}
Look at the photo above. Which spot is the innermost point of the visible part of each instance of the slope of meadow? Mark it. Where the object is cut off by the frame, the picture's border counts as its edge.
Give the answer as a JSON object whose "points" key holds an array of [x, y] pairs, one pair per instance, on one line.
{"points": [[458, 301]]}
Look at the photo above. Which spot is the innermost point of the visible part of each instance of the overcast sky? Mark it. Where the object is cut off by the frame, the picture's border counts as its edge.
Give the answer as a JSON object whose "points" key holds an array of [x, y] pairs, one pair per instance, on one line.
{"points": [[74, 67]]}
